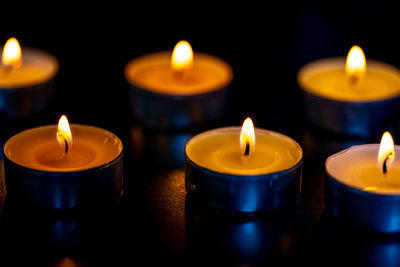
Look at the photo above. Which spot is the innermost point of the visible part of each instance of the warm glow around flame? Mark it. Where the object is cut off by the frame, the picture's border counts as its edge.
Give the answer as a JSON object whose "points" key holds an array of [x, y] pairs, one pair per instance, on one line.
{"points": [[386, 152], [64, 136], [182, 56], [355, 62], [247, 137], [11, 56]]}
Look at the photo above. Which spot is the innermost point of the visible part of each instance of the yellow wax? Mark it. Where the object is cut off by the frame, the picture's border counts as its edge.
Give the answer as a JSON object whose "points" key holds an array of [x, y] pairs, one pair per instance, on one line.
{"points": [[369, 178], [37, 67], [219, 150], [38, 149], [357, 167], [327, 78], [153, 72]]}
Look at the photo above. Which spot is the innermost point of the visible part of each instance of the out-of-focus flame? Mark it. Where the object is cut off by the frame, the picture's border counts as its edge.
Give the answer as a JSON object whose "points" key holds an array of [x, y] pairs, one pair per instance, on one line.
{"points": [[182, 56], [12, 56], [355, 62]]}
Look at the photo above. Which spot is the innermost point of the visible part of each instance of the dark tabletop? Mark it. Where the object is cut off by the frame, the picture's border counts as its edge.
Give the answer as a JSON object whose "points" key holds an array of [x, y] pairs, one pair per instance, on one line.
{"points": [[155, 222]]}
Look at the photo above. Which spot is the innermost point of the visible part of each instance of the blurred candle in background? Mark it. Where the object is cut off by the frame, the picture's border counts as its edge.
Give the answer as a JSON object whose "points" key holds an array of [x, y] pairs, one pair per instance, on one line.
{"points": [[352, 96], [178, 89], [26, 79]]}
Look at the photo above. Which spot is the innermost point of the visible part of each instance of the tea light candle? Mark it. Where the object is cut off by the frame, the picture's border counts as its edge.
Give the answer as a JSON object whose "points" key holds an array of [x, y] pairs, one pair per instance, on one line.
{"points": [[350, 96], [243, 170], [44, 167], [363, 185], [26, 79], [179, 89]]}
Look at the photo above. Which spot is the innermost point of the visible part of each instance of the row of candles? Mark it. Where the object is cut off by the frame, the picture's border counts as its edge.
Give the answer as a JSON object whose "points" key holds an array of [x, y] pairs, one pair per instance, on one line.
{"points": [[240, 169]]}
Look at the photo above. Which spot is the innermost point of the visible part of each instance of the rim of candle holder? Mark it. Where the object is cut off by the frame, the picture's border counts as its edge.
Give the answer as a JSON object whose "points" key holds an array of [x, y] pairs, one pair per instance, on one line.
{"points": [[71, 173], [178, 96], [167, 54], [257, 130], [353, 103], [327, 61], [100, 167], [229, 176]]}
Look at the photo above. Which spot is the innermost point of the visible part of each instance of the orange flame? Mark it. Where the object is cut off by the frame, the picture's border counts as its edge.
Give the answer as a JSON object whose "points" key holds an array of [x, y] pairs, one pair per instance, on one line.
{"points": [[355, 62], [247, 138], [386, 153], [64, 135], [12, 56], [182, 56]]}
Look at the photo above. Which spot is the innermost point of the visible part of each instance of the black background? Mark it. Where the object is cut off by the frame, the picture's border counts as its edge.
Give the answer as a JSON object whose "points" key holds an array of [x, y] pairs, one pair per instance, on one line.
{"points": [[265, 44]]}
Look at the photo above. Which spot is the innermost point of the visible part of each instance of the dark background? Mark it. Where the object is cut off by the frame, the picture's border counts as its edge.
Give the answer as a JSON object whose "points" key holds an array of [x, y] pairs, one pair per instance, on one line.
{"points": [[265, 44]]}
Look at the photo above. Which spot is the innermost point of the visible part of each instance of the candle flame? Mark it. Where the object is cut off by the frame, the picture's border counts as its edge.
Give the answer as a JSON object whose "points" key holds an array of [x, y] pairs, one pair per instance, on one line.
{"points": [[386, 153], [182, 56], [355, 62], [64, 136], [247, 138], [11, 56]]}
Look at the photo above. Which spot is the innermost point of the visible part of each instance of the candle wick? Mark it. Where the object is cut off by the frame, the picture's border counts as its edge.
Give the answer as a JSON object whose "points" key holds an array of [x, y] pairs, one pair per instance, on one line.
{"points": [[247, 150], [178, 74], [66, 145], [353, 80], [384, 167], [246, 155]]}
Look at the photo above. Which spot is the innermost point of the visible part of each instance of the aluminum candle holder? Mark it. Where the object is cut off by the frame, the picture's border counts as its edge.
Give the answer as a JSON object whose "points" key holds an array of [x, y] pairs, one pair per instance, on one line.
{"points": [[65, 190], [346, 201], [157, 110], [364, 119], [246, 194]]}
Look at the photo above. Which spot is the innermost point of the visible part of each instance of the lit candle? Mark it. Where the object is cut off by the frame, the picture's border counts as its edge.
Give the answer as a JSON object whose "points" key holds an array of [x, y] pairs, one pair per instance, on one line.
{"points": [[363, 185], [178, 89], [353, 96], [242, 169], [26, 77], [64, 167]]}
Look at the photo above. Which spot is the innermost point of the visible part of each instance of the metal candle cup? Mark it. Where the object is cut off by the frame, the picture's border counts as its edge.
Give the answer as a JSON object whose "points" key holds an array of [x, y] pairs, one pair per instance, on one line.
{"points": [[324, 84], [92, 176], [162, 97], [27, 91], [267, 187], [354, 199]]}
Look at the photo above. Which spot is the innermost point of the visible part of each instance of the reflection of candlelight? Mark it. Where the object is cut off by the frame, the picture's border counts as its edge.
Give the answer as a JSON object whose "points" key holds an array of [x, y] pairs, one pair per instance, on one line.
{"points": [[238, 240], [162, 148]]}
